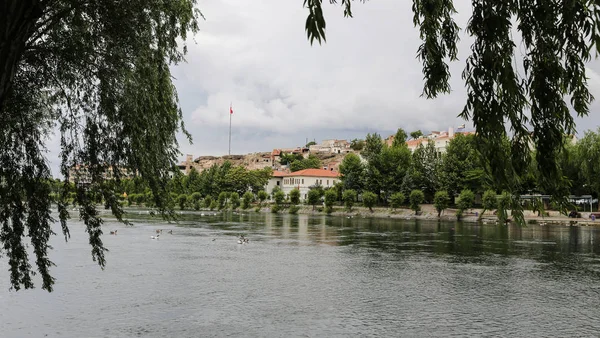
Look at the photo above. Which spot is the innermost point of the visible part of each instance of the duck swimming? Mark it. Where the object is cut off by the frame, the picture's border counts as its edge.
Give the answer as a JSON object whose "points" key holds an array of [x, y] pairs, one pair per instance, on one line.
{"points": [[154, 237]]}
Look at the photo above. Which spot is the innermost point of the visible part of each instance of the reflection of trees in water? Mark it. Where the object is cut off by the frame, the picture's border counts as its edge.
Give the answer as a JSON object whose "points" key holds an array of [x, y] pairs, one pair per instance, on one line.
{"points": [[462, 240]]}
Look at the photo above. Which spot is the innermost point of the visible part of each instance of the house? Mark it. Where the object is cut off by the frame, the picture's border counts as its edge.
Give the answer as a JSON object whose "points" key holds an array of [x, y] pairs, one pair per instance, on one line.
{"points": [[276, 180], [304, 179]]}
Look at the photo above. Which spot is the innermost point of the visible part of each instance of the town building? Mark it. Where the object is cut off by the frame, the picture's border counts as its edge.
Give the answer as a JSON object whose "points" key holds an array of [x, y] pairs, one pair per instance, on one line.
{"points": [[80, 174], [276, 180], [331, 146], [307, 178], [440, 139]]}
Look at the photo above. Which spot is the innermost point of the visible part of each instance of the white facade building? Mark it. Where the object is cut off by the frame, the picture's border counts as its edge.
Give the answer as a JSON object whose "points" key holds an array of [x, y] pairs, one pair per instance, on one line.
{"points": [[304, 179]]}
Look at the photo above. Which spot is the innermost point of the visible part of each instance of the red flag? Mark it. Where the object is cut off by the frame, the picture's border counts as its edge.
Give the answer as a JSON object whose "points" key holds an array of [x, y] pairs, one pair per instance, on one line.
{"points": [[230, 110]]}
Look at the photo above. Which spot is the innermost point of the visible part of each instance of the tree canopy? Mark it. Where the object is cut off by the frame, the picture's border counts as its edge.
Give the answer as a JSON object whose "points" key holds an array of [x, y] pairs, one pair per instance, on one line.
{"points": [[97, 70], [556, 38]]}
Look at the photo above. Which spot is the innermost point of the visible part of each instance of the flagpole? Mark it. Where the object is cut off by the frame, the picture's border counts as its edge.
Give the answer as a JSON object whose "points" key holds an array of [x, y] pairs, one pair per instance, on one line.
{"points": [[230, 129]]}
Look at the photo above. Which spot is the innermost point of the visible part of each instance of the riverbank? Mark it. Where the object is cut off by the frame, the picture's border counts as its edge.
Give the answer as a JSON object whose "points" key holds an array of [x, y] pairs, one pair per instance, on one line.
{"points": [[428, 212]]}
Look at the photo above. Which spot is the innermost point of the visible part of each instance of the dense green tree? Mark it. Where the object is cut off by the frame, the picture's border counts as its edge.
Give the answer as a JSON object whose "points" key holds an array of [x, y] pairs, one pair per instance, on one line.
{"points": [[416, 198], [311, 143], [462, 166], [392, 166], [258, 179], [352, 172], [288, 158], [192, 182], [357, 145], [306, 163], [373, 147], [372, 153], [589, 158], [441, 201], [424, 171], [294, 196], [416, 134], [369, 200], [399, 138], [177, 183]]}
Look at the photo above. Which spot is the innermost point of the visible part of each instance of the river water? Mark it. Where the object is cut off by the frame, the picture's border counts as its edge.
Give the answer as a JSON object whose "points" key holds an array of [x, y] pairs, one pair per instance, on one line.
{"points": [[315, 276]]}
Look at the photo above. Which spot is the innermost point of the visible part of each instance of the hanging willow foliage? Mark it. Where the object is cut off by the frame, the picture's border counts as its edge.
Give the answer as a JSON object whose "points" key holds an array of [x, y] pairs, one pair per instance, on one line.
{"points": [[558, 37], [99, 70]]}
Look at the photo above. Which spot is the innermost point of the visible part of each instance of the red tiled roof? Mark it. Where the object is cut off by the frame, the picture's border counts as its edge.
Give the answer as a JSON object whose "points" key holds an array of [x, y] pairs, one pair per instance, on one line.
{"points": [[314, 173], [276, 152], [278, 173]]}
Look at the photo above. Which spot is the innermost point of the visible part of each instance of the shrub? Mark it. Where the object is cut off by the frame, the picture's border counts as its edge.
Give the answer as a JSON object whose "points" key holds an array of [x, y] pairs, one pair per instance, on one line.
{"points": [[247, 199], [369, 200], [222, 200], [314, 197], [489, 201], [235, 200], [441, 201], [279, 197], [396, 200], [465, 201], [330, 198], [262, 196], [416, 198], [294, 196], [182, 201], [208, 201], [349, 196], [293, 209]]}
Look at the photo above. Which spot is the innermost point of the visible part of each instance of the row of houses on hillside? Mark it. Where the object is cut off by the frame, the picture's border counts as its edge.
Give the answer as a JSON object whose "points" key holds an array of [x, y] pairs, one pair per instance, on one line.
{"points": [[441, 139], [331, 147]]}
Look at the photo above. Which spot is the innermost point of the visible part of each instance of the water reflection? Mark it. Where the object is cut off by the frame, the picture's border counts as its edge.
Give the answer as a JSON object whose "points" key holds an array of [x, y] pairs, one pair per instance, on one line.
{"points": [[393, 235], [315, 275]]}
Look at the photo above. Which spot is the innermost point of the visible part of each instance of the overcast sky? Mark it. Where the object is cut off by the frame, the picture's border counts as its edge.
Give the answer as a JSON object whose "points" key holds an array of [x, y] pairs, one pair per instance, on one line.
{"points": [[366, 78]]}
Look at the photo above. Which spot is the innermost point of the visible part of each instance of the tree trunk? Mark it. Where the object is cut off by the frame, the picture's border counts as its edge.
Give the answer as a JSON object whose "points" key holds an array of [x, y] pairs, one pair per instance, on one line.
{"points": [[17, 24]]}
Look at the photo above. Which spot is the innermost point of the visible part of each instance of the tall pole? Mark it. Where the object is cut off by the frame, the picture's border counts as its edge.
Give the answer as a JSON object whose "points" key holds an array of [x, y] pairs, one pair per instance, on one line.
{"points": [[230, 129]]}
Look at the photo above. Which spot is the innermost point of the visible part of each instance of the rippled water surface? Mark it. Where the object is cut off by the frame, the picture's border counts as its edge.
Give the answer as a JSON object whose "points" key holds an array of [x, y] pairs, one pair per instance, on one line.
{"points": [[315, 276]]}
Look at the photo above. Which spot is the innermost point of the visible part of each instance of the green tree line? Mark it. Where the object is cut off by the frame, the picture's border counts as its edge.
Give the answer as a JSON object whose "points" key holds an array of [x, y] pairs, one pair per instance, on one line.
{"points": [[392, 173]]}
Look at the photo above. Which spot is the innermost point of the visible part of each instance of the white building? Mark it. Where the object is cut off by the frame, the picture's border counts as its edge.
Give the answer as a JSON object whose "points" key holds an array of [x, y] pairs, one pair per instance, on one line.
{"points": [[275, 181], [304, 179]]}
